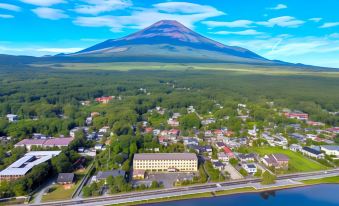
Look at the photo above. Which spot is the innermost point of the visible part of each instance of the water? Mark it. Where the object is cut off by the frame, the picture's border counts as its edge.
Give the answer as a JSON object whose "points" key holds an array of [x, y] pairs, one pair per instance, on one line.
{"points": [[317, 195]]}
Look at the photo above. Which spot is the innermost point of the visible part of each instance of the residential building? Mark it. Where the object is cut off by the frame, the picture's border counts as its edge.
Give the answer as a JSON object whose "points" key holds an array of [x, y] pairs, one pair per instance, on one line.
{"points": [[190, 141], [12, 117], [104, 100], [52, 142], [23, 165], [99, 147], [312, 153], [208, 121], [218, 165], [253, 132], [166, 162], [65, 178], [250, 168], [295, 147], [298, 137], [103, 175], [173, 122], [251, 157], [138, 174], [279, 161], [190, 109], [223, 157], [296, 115], [332, 150], [228, 152], [220, 145]]}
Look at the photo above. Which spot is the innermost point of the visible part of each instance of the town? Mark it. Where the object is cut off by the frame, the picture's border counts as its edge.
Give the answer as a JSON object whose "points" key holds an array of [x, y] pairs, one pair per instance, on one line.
{"points": [[163, 148]]}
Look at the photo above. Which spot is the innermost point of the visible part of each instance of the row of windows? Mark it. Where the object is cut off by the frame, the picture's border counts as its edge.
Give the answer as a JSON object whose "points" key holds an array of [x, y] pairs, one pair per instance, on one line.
{"points": [[154, 164], [165, 160], [181, 169]]}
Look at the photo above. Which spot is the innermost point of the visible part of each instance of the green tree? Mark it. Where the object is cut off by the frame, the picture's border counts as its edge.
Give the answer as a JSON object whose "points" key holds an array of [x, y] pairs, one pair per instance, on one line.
{"points": [[61, 163], [268, 178]]}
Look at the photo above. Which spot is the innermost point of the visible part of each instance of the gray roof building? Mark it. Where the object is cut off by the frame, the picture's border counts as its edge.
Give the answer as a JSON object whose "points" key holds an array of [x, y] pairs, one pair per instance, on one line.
{"points": [[114, 173], [65, 178]]}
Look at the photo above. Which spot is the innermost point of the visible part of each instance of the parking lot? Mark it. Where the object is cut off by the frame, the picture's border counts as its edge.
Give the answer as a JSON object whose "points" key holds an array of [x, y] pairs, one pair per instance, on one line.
{"points": [[168, 179]]}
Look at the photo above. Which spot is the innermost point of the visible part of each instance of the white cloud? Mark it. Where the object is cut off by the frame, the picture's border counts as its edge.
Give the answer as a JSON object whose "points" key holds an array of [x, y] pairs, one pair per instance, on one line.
{"points": [[6, 16], [37, 50], [59, 50], [315, 19], [231, 24], [245, 32], [282, 47], [329, 24], [283, 21], [278, 7], [184, 8], [43, 2], [10, 7], [143, 17], [94, 7], [49, 13]]}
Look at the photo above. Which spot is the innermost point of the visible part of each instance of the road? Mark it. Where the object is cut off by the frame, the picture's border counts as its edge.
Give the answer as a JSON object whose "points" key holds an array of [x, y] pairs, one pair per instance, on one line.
{"points": [[210, 187]]}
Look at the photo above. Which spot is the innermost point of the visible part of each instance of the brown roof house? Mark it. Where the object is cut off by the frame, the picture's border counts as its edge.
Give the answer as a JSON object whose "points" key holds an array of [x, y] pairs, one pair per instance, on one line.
{"points": [[278, 161]]}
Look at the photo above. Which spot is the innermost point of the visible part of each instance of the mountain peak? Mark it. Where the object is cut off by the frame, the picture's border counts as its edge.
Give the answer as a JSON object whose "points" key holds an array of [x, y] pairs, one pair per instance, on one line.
{"points": [[168, 37], [167, 22], [165, 28]]}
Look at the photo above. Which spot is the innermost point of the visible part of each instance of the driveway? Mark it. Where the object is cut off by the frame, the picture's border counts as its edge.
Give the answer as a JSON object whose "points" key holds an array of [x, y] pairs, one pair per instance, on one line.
{"points": [[43, 188], [235, 175]]}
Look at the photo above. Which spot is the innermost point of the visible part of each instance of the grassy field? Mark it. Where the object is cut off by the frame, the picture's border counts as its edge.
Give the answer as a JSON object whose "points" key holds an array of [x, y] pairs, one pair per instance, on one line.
{"points": [[127, 66], [298, 163], [326, 180], [59, 192]]}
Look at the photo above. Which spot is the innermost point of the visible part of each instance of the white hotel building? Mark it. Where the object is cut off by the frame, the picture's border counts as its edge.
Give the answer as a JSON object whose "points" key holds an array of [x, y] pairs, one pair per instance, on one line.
{"points": [[166, 162]]}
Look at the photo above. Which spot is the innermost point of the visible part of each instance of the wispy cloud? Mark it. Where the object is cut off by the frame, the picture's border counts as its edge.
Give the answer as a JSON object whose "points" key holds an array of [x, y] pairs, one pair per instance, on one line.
{"points": [[334, 35], [231, 24], [43, 2], [59, 50], [95, 7], [329, 24], [278, 7], [38, 50], [10, 7], [49, 13], [186, 13], [245, 32], [317, 19], [280, 47], [185, 8], [6, 16], [283, 21]]}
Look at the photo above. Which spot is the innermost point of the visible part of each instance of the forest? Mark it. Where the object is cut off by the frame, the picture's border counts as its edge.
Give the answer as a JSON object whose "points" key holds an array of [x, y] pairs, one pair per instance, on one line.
{"points": [[48, 101]]}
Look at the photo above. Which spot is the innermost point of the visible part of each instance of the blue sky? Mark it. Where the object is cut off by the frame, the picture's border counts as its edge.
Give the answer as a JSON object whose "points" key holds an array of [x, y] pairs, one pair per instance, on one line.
{"points": [[305, 31]]}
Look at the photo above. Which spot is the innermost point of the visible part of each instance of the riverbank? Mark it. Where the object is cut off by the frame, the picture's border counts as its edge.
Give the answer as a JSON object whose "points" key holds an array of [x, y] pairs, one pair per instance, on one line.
{"points": [[326, 180]]}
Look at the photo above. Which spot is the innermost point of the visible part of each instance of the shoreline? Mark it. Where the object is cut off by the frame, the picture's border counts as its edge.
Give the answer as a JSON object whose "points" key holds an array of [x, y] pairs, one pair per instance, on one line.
{"points": [[248, 190]]}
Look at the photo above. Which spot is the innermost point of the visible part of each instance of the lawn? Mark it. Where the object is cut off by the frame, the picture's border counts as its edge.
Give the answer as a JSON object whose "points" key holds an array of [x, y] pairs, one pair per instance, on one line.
{"points": [[59, 192], [326, 180], [298, 163]]}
